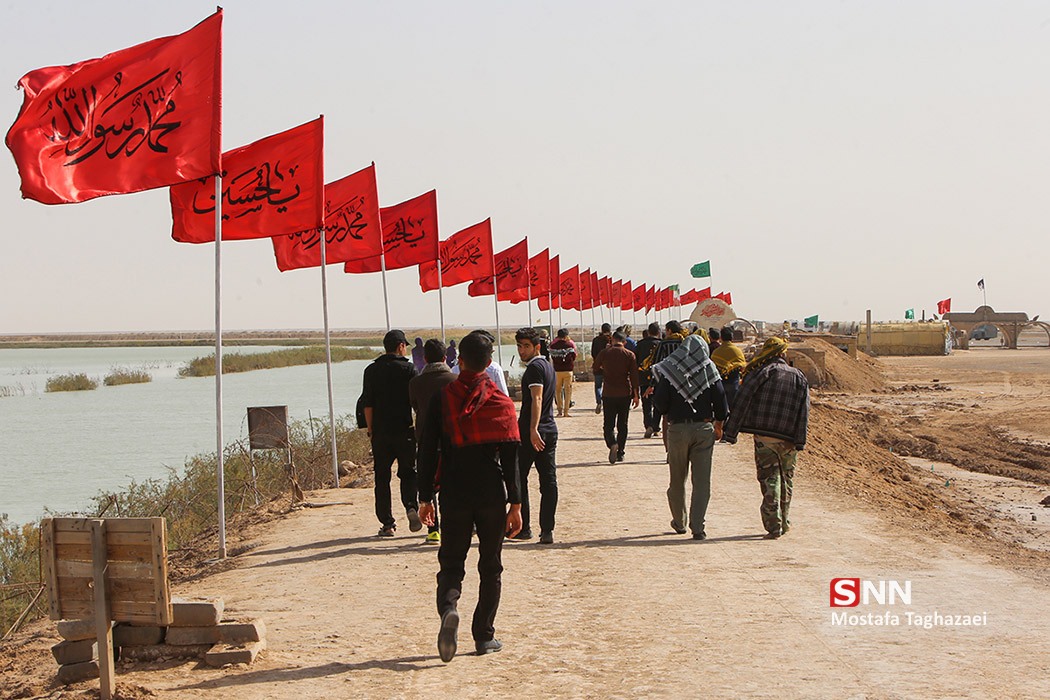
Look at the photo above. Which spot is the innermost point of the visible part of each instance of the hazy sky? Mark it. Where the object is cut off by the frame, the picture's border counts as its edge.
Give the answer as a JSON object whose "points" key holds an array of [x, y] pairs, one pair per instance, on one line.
{"points": [[827, 157]]}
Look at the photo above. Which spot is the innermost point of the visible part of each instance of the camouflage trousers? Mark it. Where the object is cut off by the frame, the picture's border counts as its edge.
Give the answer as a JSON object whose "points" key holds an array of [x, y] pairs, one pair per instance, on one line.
{"points": [[775, 461]]}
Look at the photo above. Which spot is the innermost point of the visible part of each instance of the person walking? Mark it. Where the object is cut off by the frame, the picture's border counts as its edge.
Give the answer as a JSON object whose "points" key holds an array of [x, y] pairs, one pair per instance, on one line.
{"points": [[628, 342], [563, 359], [545, 344], [729, 359], [494, 370], [674, 334], [451, 358], [645, 353], [772, 405], [620, 393], [421, 389], [689, 393], [471, 437], [388, 420], [417, 355], [598, 344], [539, 435]]}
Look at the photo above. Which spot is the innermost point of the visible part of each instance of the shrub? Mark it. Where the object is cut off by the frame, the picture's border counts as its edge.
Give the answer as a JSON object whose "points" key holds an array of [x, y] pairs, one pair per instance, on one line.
{"points": [[71, 382], [237, 362]]}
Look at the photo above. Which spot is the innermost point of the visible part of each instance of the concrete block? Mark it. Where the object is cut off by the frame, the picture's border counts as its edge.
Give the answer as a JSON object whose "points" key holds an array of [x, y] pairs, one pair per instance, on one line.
{"points": [[227, 632], [75, 630], [155, 652], [196, 613], [77, 652], [72, 673], [223, 654], [134, 635]]}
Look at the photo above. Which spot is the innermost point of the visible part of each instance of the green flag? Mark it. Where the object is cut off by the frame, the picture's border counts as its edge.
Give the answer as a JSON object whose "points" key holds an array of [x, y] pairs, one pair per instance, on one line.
{"points": [[910, 314], [674, 288], [701, 269], [812, 321]]}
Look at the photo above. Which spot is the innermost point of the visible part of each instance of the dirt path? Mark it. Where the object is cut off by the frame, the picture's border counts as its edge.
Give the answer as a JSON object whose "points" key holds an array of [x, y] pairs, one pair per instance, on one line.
{"points": [[620, 607]]}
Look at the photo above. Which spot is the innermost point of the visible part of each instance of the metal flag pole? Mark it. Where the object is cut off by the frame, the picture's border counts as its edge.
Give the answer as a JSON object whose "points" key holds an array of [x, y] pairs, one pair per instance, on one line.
{"points": [[219, 459], [529, 304], [495, 301], [382, 266], [550, 310], [441, 301], [328, 360], [583, 330]]}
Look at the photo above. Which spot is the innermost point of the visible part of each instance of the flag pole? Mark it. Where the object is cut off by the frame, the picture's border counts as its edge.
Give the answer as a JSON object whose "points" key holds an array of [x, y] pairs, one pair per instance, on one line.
{"points": [[219, 459], [495, 301], [550, 308], [328, 360], [441, 301], [382, 266]]}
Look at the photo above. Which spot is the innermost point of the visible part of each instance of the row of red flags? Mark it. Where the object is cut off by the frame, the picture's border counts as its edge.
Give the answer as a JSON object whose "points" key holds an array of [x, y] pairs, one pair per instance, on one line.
{"points": [[150, 116]]}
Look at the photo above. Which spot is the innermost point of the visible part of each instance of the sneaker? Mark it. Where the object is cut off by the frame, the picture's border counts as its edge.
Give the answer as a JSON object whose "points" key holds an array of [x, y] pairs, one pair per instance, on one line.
{"points": [[700, 535], [598, 408], [490, 647], [547, 537], [447, 635], [619, 456], [774, 535], [386, 531], [523, 535], [784, 530], [414, 523], [612, 454], [433, 537], [648, 433], [677, 528]]}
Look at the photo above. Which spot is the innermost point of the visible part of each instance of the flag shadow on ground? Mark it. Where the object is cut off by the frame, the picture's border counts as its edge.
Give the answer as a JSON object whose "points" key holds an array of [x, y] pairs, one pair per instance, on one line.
{"points": [[283, 675]]}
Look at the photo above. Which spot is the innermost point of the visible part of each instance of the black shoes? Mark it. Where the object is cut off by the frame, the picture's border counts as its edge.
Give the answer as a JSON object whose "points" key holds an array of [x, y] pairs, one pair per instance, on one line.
{"points": [[619, 456], [523, 535], [386, 531], [699, 535], [774, 535], [447, 635], [612, 454], [490, 647], [547, 537], [414, 523], [648, 433], [677, 528]]}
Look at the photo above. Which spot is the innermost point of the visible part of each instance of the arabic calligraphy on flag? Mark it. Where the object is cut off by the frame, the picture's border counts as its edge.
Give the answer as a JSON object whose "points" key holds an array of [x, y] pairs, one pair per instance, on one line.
{"points": [[511, 272], [410, 235], [465, 256], [272, 187], [351, 226], [143, 117]]}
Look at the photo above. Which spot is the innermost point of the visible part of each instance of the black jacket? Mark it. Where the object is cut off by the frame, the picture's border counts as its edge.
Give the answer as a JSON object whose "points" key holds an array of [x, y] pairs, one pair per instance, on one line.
{"points": [[386, 392]]}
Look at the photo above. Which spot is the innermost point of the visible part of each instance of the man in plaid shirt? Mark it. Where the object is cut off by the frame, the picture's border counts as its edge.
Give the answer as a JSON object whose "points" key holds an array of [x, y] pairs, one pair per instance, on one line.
{"points": [[772, 405]]}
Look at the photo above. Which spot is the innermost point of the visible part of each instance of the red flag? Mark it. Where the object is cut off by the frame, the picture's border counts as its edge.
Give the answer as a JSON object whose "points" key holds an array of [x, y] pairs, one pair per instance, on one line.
{"points": [[351, 224], [595, 294], [465, 256], [650, 298], [615, 290], [410, 235], [569, 289], [605, 290], [689, 297], [944, 306], [585, 290], [272, 187], [540, 273], [627, 297], [552, 299], [728, 298], [703, 294], [512, 273], [139, 118], [639, 298]]}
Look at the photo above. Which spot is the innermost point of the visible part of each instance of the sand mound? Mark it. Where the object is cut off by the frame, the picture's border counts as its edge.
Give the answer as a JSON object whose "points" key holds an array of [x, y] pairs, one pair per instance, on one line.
{"points": [[842, 372]]}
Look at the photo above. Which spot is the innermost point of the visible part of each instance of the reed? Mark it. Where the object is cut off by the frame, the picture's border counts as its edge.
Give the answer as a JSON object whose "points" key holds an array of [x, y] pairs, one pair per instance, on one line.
{"points": [[71, 382], [126, 375], [238, 362]]}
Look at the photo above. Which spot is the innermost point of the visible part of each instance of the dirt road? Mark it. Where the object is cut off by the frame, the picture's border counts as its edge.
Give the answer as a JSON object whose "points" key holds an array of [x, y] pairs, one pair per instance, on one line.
{"points": [[621, 607]]}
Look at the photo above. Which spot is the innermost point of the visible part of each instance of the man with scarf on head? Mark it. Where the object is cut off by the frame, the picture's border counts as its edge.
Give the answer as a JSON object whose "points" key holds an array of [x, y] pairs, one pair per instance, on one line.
{"points": [[729, 359], [773, 405], [468, 449], [689, 394]]}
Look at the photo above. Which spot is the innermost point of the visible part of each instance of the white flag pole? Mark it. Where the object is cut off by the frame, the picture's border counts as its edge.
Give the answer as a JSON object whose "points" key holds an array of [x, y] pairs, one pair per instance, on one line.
{"points": [[219, 459], [495, 301], [328, 360], [441, 299], [382, 266]]}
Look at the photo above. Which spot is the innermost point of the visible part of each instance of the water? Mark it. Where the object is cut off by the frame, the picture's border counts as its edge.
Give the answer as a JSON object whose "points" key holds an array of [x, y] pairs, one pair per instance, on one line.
{"points": [[62, 448]]}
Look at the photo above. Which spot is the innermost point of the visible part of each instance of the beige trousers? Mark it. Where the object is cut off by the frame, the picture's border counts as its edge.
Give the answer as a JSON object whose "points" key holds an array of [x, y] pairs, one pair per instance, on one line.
{"points": [[563, 392]]}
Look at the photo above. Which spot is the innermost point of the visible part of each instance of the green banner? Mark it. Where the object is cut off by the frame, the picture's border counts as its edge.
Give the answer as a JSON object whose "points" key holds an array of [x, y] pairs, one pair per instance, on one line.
{"points": [[701, 269], [910, 314], [812, 321]]}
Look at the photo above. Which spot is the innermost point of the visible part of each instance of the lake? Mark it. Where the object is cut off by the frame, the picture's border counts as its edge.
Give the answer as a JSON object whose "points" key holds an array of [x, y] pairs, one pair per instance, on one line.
{"points": [[62, 448]]}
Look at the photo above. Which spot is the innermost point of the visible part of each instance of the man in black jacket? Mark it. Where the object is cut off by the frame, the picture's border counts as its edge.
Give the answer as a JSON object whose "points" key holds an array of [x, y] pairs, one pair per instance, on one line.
{"points": [[468, 449], [388, 418]]}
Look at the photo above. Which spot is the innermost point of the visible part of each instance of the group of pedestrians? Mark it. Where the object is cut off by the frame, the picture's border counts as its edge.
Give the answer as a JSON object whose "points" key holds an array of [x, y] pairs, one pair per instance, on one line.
{"points": [[474, 453]]}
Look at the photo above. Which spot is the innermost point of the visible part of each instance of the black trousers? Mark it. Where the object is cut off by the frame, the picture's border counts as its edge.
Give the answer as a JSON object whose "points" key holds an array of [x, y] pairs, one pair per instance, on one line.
{"points": [[386, 449], [548, 476], [458, 521], [617, 409]]}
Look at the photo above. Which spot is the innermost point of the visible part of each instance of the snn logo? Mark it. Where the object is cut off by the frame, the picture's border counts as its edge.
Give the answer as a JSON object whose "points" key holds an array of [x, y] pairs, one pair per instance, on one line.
{"points": [[851, 592]]}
